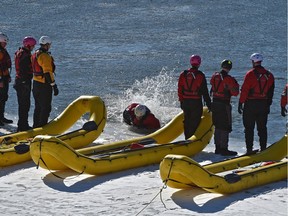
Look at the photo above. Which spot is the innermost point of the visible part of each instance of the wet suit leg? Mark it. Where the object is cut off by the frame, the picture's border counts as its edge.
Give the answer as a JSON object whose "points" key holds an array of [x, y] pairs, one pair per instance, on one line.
{"points": [[3, 97], [43, 98], [261, 123], [249, 125], [24, 100], [192, 116], [222, 120]]}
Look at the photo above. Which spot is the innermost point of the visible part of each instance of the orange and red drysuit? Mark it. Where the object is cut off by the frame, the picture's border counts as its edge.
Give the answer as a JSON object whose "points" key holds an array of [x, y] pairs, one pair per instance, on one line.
{"points": [[192, 87], [148, 121], [256, 94]]}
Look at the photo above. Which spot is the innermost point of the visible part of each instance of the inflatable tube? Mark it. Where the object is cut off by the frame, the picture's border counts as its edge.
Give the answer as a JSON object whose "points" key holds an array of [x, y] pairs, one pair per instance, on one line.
{"points": [[179, 171], [15, 146], [111, 158]]}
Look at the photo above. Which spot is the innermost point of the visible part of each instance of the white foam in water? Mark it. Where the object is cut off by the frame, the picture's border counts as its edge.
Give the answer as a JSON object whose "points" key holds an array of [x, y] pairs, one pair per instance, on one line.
{"points": [[159, 93]]}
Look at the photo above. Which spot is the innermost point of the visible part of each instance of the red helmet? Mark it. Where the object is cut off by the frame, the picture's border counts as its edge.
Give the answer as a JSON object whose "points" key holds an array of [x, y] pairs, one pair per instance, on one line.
{"points": [[29, 41], [195, 60]]}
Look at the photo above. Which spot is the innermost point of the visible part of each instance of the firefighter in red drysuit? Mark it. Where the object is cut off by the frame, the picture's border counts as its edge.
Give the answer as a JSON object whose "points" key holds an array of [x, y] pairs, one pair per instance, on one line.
{"points": [[23, 81], [283, 101], [192, 86], [223, 86], [256, 94], [140, 116], [5, 78]]}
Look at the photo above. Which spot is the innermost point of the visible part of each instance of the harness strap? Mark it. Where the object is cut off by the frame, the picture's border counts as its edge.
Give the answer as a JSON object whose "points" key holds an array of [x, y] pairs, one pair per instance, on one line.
{"points": [[258, 76]]}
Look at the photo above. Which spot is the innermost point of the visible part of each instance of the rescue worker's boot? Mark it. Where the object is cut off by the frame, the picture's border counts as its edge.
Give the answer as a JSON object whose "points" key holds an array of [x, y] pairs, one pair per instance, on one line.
{"points": [[249, 149], [226, 152]]}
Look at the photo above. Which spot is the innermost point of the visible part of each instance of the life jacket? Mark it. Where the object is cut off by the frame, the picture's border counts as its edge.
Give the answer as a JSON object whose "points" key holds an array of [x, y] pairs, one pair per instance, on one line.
{"points": [[26, 72], [37, 69], [192, 84], [261, 89], [218, 87], [5, 62]]}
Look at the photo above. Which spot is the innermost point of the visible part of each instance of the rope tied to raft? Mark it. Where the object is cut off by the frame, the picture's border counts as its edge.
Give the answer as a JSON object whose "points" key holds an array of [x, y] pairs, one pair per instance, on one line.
{"points": [[41, 159], [160, 192]]}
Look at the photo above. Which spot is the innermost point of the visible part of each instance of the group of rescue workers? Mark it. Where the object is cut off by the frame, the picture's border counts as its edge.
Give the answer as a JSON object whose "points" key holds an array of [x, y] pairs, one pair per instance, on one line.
{"points": [[255, 98], [38, 67]]}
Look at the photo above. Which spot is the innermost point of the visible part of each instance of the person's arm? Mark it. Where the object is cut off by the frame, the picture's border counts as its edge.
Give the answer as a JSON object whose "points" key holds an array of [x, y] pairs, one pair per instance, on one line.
{"points": [[205, 93]]}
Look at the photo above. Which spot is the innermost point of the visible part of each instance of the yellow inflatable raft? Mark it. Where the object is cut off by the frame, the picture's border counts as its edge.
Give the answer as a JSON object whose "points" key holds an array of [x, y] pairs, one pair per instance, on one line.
{"points": [[120, 155], [15, 146], [228, 176]]}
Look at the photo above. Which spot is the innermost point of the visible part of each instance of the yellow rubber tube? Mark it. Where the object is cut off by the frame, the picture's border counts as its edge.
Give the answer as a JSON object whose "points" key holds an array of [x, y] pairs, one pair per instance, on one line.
{"points": [[94, 163], [76, 139]]}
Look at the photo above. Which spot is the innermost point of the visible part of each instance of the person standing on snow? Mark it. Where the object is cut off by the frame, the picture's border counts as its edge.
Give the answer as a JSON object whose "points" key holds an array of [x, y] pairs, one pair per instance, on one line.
{"points": [[5, 79], [192, 86], [283, 101], [23, 81], [140, 116], [256, 94], [43, 82], [223, 86]]}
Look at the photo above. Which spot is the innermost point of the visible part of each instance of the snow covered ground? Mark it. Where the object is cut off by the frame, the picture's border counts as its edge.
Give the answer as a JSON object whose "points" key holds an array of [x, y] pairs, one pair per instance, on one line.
{"points": [[26, 190]]}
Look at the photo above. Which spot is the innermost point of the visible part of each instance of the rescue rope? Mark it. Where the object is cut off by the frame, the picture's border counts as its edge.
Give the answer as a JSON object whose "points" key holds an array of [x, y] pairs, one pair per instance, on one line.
{"points": [[41, 159], [160, 192]]}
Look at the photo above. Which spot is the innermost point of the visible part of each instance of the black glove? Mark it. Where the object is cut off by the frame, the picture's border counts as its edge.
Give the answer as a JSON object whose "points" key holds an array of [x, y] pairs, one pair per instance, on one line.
{"points": [[283, 111], [240, 108], [56, 90]]}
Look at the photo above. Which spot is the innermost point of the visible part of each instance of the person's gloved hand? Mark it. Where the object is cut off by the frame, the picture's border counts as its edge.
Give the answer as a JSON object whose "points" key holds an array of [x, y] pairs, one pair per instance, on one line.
{"points": [[283, 111], [56, 90], [240, 108]]}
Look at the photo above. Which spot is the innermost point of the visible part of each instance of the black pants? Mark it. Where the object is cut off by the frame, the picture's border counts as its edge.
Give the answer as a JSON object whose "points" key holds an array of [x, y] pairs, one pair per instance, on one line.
{"points": [[255, 112], [192, 110], [42, 94], [23, 89], [222, 120], [3, 95]]}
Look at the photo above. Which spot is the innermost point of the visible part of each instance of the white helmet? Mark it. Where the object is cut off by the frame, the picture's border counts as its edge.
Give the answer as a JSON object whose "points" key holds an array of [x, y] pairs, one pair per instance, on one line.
{"points": [[45, 40], [140, 110], [256, 57], [3, 38]]}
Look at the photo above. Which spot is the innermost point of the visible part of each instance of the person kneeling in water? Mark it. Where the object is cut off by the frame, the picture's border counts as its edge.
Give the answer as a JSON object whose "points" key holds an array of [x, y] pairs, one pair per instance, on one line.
{"points": [[140, 116]]}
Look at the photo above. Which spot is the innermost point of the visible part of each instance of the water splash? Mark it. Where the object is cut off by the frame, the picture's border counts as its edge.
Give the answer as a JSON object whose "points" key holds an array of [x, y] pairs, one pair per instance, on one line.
{"points": [[159, 93]]}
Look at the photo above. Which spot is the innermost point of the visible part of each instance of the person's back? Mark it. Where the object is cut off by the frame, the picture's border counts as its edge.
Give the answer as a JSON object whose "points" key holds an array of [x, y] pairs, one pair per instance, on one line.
{"points": [[192, 87], [223, 86], [256, 94]]}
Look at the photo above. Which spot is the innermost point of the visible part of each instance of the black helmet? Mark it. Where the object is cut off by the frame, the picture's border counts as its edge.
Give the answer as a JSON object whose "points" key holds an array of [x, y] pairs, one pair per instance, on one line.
{"points": [[226, 64]]}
